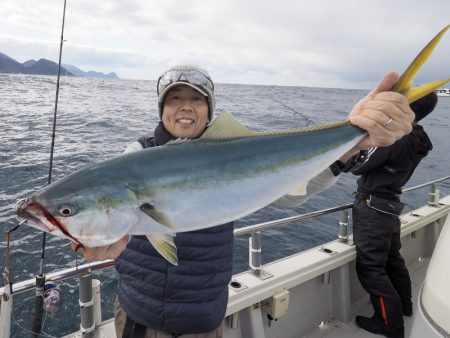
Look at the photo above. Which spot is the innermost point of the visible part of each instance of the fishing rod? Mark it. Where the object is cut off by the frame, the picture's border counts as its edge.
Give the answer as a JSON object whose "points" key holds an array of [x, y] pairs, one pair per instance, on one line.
{"points": [[307, 119], [40, 277]]}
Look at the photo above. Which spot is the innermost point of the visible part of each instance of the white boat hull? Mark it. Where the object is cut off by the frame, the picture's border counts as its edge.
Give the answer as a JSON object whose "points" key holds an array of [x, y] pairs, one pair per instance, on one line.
{"points": [[434, 298]]}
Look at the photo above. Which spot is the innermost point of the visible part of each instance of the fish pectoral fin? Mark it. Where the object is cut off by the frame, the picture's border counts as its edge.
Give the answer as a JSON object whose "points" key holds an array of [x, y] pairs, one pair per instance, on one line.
{"points": [[300, 190], [166, 247], [404, 84], [158, 216]]}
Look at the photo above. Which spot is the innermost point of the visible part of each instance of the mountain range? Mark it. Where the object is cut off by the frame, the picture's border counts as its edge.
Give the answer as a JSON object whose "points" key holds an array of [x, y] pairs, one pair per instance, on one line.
{"points": [[46, 67]]}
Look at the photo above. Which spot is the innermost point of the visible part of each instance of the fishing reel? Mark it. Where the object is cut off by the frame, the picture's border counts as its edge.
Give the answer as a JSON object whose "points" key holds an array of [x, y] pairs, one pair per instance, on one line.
{"points": [[52, 297]]}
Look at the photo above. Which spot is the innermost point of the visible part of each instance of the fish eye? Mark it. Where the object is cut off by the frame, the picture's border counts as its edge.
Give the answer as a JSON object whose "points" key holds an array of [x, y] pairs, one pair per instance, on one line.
{"points": [[66, 210]]}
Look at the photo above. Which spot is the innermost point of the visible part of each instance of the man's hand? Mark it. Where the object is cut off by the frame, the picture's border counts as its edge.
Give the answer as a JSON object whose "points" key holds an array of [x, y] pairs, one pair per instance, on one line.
{"points": [[100, 253], [374, 112]]}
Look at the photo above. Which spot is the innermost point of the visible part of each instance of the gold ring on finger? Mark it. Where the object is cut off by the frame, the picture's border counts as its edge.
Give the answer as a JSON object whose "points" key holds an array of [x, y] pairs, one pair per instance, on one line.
{"points": [[387, 122]]}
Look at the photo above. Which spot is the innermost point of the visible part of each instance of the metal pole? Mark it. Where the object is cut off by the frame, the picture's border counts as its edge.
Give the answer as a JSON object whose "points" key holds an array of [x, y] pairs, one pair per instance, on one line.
{"points": [[87, 325], [233, 320], [433, 197], [97, 301], [255, 253], [343, 226]]}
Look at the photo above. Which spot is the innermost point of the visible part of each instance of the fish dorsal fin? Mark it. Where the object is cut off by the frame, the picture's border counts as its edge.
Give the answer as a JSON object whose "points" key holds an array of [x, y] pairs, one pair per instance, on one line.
{"points": [[225, 126]]}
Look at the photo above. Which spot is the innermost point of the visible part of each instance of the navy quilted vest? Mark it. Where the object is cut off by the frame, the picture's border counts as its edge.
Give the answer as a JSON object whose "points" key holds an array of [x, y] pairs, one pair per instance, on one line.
{"points": [[189, 298]]}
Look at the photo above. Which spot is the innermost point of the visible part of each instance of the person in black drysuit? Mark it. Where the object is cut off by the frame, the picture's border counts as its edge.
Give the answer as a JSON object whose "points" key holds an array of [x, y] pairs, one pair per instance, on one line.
{"points": [[380, 267]]}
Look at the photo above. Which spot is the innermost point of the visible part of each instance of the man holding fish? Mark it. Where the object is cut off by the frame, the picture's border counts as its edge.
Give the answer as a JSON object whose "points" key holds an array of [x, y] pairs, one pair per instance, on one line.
{"points": [[190, 299]]}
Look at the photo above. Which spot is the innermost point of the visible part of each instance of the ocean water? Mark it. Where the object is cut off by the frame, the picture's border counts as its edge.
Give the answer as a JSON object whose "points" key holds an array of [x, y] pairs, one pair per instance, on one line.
{"points": [[97, 118]]}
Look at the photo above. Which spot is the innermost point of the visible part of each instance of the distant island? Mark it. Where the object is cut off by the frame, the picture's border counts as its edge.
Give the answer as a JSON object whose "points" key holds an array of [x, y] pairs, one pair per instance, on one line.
{"points": [[46, 67]]}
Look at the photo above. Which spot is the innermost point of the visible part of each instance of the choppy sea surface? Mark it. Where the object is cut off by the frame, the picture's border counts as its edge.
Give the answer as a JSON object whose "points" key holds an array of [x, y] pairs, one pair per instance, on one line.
{"points": [[97, 118]]}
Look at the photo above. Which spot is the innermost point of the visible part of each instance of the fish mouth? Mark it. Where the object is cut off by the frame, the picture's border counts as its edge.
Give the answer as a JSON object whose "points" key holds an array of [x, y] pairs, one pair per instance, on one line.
{"points": [[33, 213]]}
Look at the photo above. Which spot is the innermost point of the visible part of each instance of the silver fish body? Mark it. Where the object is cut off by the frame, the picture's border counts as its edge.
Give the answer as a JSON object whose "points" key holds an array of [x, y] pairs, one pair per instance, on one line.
{"points": [[187, 185]]}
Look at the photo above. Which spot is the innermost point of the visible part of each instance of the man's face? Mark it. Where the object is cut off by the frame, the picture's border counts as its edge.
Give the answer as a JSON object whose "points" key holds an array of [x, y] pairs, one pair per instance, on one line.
{"points": [[185, 112]]}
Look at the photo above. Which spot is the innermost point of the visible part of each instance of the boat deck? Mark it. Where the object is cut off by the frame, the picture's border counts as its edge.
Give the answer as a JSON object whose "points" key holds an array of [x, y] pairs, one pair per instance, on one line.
{"points": [[331, 329], [336, 329]]}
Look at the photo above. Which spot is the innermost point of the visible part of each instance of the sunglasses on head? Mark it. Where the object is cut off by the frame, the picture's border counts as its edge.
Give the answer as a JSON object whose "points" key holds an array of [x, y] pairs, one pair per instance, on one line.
{"points": [[194, 77]]}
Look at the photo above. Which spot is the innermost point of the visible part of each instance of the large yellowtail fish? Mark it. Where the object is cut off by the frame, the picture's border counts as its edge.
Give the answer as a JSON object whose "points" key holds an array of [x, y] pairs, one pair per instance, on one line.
{"points": [[225, 175]]}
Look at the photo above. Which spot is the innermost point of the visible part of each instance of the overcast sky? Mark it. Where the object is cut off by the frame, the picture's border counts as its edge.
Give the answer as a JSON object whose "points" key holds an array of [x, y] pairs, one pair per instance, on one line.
{"points": [[320, 43]]}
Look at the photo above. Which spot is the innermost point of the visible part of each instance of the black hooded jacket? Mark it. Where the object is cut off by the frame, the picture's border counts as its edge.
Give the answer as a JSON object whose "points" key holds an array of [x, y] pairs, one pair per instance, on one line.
{"points": [[389, 168]]}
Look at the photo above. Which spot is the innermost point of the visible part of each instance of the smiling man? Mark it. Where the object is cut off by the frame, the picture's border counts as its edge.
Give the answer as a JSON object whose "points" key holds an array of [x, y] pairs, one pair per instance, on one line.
{"points": [[156, 298], [185, 112]]}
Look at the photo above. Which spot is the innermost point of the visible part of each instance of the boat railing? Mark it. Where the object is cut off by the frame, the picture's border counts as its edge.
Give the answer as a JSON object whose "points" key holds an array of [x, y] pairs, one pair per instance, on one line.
{"points": [[254, 241], [266, 225], [255, 245]]}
